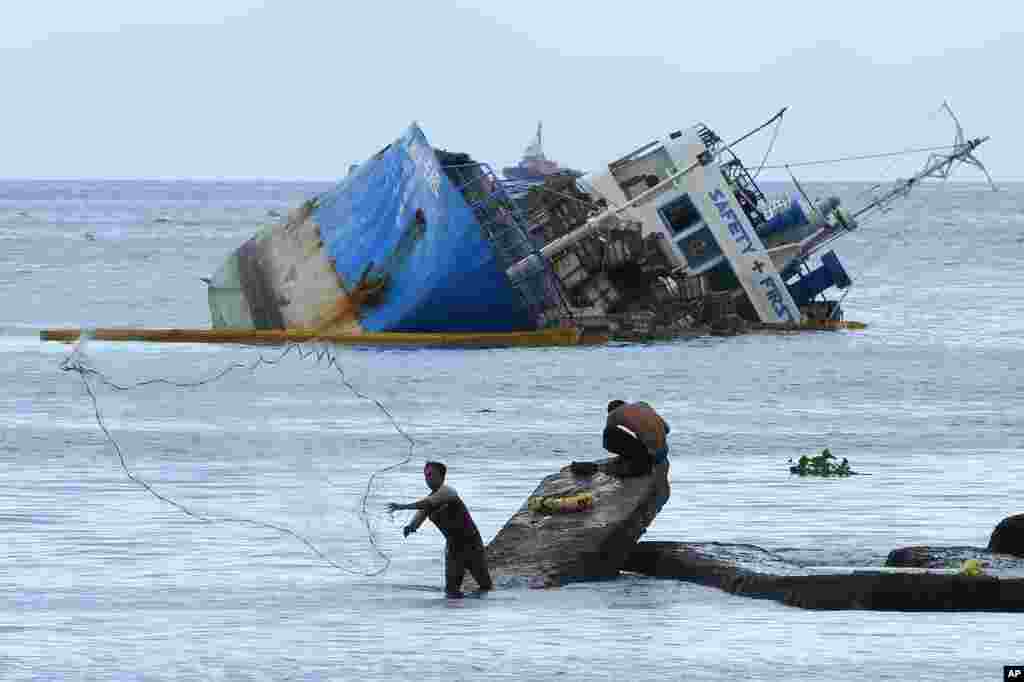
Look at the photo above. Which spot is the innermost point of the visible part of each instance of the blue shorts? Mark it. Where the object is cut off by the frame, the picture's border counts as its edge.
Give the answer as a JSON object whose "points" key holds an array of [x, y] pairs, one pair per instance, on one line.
{"points": [[661, 457]]}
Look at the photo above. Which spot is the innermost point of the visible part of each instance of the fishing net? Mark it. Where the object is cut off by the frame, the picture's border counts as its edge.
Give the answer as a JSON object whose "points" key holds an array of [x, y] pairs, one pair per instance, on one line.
{"points": [[275, 440]]}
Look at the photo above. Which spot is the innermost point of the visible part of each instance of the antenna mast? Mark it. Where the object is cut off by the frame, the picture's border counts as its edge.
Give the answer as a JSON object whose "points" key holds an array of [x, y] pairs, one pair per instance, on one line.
{"points": [[939, 165]]}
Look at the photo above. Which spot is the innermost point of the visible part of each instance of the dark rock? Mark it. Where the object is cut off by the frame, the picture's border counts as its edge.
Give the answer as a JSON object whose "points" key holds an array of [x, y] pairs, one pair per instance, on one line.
{"points": [[709, 563], [552, 549], [908, 557], [930, 557], [753, 572], [1008, 536], [583, 468], [923, 556], [904, 592]]}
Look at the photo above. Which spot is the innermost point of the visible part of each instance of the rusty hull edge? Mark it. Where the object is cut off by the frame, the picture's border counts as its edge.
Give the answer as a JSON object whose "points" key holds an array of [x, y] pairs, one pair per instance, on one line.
{"points": [[868, 590]]}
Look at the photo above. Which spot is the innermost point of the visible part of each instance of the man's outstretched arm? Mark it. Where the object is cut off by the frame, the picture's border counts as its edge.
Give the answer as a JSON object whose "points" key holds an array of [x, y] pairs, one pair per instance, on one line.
{"points": [[438, 498], [416, 522]]}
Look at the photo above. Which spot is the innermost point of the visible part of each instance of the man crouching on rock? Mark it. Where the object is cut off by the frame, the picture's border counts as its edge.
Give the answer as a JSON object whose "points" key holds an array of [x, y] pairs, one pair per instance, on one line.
{"points": [[636, 433], [464, 548]]}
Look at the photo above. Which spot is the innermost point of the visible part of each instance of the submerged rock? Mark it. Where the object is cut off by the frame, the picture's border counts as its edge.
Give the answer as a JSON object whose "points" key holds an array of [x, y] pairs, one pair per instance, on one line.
{"points": [[1005, 551], [714, 564], [924, 556], [753, 572], [552, 549]]}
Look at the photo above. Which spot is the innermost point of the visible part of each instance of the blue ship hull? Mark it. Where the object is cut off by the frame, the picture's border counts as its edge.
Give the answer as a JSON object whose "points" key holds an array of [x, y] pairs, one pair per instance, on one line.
{"points": [[394, 247]]}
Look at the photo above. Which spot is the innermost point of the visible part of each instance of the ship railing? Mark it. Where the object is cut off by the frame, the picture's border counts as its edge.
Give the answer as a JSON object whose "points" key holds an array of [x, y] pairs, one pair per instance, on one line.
{"points": [[709, 137], [737, 175], [752, 199], [508, 231]]}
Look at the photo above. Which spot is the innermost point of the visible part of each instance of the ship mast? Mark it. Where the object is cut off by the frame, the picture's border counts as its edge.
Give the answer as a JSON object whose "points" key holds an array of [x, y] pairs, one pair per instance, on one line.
{"points": [[938, 165]]}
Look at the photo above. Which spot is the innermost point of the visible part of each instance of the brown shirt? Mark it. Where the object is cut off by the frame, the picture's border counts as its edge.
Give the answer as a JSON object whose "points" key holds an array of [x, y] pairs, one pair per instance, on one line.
{"points": [[641, 419]]}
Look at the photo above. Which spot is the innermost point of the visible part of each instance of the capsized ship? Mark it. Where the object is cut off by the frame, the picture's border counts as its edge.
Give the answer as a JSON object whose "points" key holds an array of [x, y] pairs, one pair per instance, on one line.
{"points": [[413, 239], [418, 239]]}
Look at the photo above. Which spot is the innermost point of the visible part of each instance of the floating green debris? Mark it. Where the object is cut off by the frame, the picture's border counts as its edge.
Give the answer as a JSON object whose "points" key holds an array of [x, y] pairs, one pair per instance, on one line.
{"points": [[819, 465]]}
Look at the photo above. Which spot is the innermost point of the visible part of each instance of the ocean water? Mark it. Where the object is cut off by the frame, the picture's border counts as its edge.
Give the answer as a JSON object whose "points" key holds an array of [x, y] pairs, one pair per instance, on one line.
{"points": [[100, 580]]}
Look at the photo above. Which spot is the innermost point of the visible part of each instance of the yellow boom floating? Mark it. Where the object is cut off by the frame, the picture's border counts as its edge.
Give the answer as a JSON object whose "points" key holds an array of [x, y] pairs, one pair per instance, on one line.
{"points": [[560, 336], [544, 337]]}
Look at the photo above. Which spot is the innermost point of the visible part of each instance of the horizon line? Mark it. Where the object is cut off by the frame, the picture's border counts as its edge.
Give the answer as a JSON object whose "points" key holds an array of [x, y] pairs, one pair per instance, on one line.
{"points": [[241, 179]]}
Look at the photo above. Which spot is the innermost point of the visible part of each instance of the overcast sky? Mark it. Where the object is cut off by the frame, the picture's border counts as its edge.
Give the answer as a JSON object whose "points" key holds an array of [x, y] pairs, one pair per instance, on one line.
{"points": [[296, 89]]}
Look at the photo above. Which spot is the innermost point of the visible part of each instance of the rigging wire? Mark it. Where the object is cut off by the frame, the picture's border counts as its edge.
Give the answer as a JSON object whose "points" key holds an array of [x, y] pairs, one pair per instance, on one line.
{"points": [[771, 145], [862, 157], [78, 363], [870, 191]]}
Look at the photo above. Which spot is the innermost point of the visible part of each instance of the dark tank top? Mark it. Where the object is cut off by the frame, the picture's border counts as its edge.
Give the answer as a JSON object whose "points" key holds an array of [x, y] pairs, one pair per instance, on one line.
{"points": [[454, 521]]}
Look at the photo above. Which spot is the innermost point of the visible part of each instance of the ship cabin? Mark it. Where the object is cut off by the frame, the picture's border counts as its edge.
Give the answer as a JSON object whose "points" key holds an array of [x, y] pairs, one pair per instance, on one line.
{"points": [[719, 227]]}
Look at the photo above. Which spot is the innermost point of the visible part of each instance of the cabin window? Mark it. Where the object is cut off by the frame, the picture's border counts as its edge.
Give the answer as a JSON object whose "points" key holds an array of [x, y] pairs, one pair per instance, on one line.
{"points": [[680, 214], [700, 249], [639, 174]]}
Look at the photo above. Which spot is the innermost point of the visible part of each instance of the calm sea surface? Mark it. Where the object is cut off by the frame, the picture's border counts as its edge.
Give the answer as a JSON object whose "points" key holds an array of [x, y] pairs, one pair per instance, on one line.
{"points": [[100, 580]]}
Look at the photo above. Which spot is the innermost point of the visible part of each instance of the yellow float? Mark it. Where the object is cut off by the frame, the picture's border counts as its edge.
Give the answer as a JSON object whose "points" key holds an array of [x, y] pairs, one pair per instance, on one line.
{"points": [[551, 504], [971, 567]]}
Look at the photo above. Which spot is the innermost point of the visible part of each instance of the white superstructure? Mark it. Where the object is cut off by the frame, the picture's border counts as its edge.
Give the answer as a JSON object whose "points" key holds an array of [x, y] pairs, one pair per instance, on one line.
{"points": [[675, 187]]}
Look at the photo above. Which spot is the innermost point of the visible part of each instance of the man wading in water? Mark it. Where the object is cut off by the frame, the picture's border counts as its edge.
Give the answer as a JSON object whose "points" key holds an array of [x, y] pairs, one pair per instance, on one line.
{"points": [[464, 548]]}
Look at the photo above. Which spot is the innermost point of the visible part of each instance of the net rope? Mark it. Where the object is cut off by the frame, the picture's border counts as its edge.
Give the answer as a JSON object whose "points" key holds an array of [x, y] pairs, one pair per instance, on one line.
{"points": [[323, 355]]}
